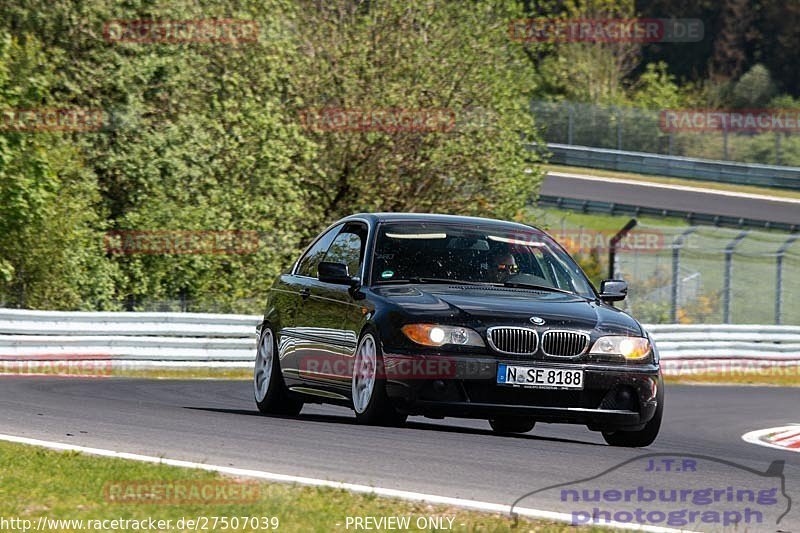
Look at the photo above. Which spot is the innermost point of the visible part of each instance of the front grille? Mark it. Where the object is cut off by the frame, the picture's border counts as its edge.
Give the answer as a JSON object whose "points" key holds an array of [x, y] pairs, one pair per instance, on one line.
{"points": [[513, 341], [564, 343]]}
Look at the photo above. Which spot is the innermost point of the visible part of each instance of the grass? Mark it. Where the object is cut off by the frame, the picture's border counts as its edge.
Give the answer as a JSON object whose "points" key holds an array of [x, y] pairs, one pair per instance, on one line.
{"points": [[36, 482], [188, 373], [735, 378], [552, 219], [749, 189]]}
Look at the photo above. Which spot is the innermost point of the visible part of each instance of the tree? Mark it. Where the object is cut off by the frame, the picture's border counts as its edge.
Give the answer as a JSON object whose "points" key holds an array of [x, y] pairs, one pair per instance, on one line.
{"points": [[591, 72], [729, 57], [754, 89], [50, 225], [206, 136], [453, 59]]}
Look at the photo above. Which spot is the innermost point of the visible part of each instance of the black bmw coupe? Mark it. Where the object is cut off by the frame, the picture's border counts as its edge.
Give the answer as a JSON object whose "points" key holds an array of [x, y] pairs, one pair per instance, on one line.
{"points": [[412, 314]]}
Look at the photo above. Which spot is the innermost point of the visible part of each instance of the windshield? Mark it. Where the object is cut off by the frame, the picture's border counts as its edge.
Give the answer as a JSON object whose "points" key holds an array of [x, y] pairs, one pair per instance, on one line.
{"points": [[453, 253]]}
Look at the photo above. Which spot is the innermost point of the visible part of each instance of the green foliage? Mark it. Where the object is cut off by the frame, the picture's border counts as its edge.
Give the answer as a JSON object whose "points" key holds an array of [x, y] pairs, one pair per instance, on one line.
{"points": [[656, 89], [754, 89], [592, 72], [417, 56], [50, 227], [593, 265], [206, 136]]}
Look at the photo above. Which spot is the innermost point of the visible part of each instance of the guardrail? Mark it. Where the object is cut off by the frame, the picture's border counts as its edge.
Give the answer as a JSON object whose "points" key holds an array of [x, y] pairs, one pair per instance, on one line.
{"points": [[134, 337], [675, 166], [200, 339], [711, 348]]}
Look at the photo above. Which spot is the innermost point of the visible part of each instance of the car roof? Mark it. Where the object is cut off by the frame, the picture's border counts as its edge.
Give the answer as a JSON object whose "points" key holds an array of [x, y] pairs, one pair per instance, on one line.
{"points": [[434, 217]]}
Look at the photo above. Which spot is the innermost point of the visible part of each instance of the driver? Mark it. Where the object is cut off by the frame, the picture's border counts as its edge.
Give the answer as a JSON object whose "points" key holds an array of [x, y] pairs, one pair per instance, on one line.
{"points": [[503, 266]]}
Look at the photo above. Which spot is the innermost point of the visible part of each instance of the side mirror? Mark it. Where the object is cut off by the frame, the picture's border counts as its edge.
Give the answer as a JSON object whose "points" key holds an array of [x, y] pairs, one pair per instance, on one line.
{"points": [[337, 273], [613, 290]]}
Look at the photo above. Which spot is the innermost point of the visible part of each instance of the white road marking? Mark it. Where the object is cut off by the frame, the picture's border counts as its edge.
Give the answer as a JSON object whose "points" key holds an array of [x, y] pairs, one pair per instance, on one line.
{"points": [[686, 188], [352, 487], [759, 437]]}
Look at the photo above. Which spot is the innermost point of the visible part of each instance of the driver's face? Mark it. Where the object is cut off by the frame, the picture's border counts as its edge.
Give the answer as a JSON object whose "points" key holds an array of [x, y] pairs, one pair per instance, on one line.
{"points": [[505, 266]]}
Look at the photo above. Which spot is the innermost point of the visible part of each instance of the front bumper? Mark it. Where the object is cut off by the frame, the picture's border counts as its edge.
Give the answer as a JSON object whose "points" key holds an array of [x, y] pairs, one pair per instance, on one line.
{"points": [[615, 396]]}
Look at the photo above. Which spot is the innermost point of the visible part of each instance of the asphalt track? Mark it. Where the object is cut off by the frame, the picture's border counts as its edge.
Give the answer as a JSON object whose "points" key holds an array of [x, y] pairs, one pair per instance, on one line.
{"points": [[215, 422], [650, 194]]}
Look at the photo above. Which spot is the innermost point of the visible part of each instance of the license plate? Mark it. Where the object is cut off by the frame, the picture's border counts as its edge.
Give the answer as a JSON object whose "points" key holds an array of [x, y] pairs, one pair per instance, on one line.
{"points": [[539, 377]]}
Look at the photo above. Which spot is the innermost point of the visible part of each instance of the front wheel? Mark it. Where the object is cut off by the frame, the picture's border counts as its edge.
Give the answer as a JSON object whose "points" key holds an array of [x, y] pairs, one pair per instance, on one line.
{"points": [[504, 425], [271, 394], [641, 438], [370, 402]]}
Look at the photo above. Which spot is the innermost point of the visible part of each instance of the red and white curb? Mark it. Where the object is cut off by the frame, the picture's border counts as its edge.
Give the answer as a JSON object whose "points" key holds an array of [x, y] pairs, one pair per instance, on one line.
{"points": [[783, 438]]}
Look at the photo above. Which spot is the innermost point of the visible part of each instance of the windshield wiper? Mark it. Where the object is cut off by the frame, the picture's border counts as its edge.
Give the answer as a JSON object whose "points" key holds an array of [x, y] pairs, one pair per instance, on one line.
{"points": [[453, 281], [438, 280], [519, 285]]}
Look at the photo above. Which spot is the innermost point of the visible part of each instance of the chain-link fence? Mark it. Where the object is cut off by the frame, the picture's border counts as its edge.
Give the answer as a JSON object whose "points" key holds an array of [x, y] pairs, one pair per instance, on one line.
{"points": [[640, 130], [705, 274], [676, 274]]}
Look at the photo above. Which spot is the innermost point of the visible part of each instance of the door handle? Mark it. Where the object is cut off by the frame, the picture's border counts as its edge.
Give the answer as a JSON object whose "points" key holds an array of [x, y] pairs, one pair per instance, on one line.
{"points": [[305, 293]]}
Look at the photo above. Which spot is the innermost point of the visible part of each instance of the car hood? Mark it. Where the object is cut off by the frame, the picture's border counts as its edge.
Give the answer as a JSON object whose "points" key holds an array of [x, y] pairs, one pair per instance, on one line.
{"points": [[489, 306]]}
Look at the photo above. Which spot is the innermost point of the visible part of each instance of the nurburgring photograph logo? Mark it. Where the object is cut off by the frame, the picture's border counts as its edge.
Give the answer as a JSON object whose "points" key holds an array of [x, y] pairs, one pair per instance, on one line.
{"points": [[675, 490]]}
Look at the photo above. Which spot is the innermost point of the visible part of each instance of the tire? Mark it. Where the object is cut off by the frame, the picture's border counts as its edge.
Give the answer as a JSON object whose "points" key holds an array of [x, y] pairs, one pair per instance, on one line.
{"points": [[271, 395], [505, 425], [641, 438], [368, 388]]}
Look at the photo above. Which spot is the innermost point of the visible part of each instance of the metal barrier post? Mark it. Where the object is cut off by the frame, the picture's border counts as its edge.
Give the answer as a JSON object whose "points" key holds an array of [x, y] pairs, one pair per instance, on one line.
{"points": [[779, 276], [612, 248], [725, 144], [677, 245], [726, 287], [570, 123]]}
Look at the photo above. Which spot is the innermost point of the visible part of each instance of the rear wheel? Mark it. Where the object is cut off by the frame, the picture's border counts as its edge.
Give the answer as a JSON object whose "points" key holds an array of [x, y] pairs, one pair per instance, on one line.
{"points": [[640, 438], [505, 425], [271, 394], [370, 402]]}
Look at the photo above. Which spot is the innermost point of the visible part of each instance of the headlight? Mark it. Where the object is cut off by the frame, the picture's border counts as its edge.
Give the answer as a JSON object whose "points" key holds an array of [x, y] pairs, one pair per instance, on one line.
{"points": [[436, 335], [627, 347]]}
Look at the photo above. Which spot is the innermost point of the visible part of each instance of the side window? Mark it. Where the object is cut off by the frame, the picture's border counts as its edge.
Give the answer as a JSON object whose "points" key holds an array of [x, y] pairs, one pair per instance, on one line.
{"points": [[348, 248], [308, 264]]}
